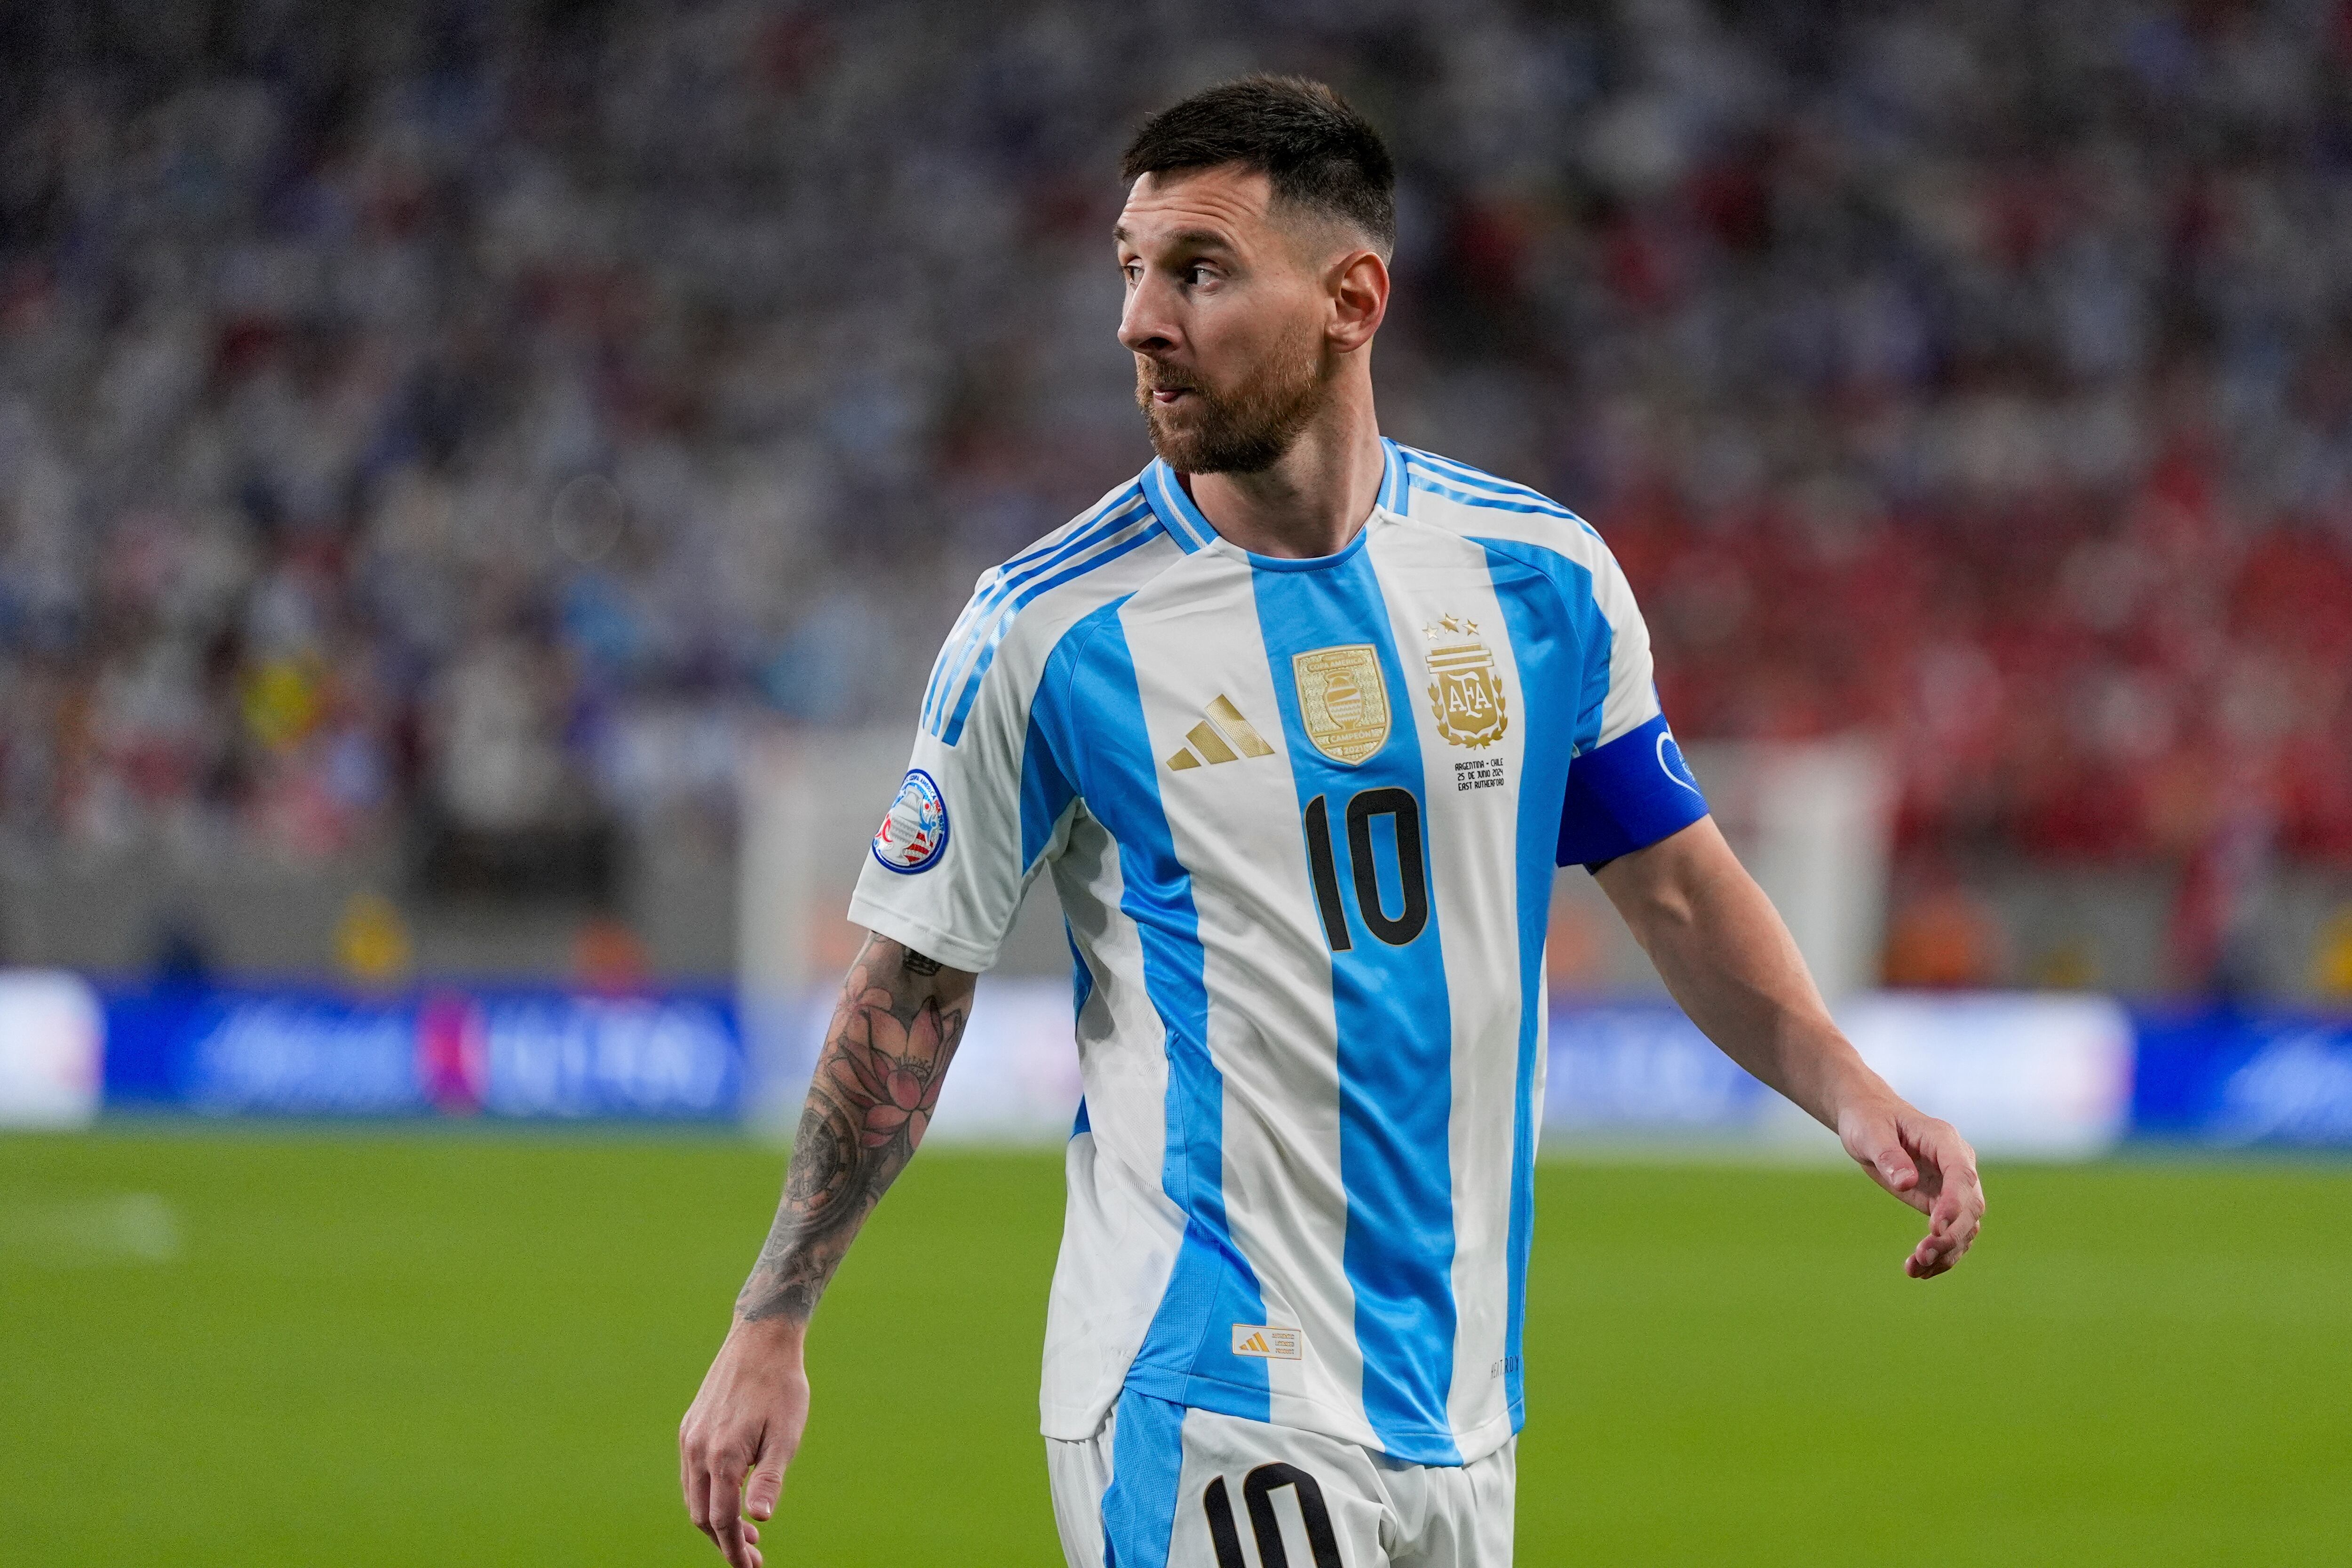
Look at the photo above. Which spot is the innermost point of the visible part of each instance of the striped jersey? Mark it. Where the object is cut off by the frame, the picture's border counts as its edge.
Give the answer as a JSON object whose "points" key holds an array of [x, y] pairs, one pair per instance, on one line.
{"points": [[1303, 817]]}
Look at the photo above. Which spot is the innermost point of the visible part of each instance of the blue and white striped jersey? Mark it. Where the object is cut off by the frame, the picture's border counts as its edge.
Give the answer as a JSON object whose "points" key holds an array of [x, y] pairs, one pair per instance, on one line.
{"points": [[1303, 817]]}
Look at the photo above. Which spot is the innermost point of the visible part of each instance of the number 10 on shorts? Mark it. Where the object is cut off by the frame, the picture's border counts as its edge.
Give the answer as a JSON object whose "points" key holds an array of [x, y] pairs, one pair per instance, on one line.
{"points": [[1258, 1494]]}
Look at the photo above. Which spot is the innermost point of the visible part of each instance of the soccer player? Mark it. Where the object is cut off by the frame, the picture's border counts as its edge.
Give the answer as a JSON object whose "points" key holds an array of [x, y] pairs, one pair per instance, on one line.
{"points": [[1299, 721]]}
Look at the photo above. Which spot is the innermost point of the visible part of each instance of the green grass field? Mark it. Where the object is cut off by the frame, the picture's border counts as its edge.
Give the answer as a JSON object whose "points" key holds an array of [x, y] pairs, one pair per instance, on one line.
{"points": [[432, 1347]]}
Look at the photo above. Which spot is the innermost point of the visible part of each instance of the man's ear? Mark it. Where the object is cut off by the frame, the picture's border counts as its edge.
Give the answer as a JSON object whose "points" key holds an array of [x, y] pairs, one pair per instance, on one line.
{"points": [[1359, 296]]}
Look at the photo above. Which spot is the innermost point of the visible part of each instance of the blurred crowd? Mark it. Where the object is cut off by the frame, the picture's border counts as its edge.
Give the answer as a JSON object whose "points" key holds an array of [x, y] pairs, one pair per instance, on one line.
{"points": [[483, 413]]}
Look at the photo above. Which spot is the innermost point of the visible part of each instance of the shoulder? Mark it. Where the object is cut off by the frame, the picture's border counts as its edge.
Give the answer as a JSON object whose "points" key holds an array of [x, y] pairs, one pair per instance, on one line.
{"points": [[1471, 502], [1021, 609], [1518, 524]]}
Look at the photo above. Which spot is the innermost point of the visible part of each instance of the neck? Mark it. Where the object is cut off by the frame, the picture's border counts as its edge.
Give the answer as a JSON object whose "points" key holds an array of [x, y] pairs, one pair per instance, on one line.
{"points": [[1313, 500]]}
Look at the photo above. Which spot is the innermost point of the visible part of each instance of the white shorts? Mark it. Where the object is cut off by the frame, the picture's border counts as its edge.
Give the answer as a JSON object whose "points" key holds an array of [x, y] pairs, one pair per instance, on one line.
{"points": [[1164, 1487]]}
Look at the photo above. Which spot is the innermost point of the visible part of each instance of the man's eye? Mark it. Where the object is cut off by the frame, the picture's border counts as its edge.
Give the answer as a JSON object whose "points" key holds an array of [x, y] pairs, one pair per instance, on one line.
{"points": [[1196, 274]]}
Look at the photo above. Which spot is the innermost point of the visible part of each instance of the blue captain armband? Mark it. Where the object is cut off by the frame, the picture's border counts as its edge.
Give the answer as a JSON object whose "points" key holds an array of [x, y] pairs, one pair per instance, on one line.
{"points": [[1626, 795]]}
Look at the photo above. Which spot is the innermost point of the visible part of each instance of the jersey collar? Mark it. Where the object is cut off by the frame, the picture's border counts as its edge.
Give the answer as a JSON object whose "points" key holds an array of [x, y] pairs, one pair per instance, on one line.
{"points": [[1167, 496], [1392, 497]]}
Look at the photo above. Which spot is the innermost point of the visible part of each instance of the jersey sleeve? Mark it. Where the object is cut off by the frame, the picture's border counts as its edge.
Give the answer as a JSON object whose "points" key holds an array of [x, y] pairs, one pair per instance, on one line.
{"points": [[1629, 786], [983, 806]]}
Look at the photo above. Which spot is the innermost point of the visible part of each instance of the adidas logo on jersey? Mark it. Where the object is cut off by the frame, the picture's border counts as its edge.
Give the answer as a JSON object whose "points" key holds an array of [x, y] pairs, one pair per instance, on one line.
{"points": [[1266, 1342], [1224, 736]]}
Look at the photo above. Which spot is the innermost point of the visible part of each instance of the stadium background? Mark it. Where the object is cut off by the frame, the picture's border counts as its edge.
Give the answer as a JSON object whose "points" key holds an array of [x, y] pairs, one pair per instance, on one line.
{"points": [[448, 452]]}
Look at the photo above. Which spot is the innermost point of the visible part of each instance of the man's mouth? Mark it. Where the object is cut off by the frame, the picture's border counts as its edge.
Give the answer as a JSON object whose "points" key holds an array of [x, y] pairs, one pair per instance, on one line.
{"points": [[1163, 384]]}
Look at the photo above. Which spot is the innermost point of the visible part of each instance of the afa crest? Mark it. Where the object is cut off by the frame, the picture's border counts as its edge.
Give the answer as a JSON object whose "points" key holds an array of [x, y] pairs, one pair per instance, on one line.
{"points": [[1465, 694]]}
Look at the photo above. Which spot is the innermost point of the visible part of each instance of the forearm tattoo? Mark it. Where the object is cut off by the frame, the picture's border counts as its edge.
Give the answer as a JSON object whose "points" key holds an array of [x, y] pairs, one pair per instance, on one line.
{"points": [[885, 1057]]}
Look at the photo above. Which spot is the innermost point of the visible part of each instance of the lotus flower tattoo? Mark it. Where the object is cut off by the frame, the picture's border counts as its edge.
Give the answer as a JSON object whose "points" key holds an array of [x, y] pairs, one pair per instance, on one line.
{"points": [[886, 1055], [890, 1071]]}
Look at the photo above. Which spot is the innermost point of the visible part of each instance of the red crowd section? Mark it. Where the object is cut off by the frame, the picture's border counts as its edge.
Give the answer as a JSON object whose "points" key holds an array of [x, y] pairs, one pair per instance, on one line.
{"points": [[2078, 676]]}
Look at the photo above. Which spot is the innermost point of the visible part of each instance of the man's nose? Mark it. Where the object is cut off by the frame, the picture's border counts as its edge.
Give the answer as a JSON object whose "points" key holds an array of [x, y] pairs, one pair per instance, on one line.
{"points": [[1144, 326]]}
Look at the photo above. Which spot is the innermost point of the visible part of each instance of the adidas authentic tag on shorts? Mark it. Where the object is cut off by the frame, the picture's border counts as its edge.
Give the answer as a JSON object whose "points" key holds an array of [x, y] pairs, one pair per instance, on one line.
{"points": [[1164, 1487]]}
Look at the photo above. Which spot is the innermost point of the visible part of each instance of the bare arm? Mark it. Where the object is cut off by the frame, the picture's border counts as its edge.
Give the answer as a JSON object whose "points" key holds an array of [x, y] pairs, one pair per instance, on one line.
{"points": [[1724, 953], [886, 1054]]}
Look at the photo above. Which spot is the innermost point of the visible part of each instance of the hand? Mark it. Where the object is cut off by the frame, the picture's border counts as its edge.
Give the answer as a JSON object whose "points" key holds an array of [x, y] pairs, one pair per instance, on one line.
{"points": [[748, 1416], [1928, 1165]]}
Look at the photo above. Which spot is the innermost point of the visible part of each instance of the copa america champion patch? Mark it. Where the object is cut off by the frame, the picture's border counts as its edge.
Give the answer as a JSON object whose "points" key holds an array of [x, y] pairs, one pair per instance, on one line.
{"points": [[914, 831]]}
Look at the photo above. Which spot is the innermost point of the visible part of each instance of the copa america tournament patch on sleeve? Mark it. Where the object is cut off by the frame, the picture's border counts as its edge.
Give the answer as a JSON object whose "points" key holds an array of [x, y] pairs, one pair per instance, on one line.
{"points": [[914, 831]]}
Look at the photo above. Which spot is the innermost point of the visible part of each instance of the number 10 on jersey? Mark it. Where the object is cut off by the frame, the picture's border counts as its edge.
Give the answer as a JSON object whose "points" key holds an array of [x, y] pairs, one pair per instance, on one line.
{"points": [[1401, 814]]}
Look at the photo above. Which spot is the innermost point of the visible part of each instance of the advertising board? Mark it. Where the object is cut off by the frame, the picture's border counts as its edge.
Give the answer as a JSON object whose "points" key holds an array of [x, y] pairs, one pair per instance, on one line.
{"points": [[2236, 1080], [2034, 1076], [51, 1036], [505, 1053], [2039, 1075]]}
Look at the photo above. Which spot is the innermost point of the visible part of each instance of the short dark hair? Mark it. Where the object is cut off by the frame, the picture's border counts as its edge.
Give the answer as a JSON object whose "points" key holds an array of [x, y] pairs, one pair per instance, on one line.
{"points": [[1316, 151]]}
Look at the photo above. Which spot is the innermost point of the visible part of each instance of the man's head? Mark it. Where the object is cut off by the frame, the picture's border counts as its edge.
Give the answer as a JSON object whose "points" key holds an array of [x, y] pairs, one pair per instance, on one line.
{"points": [[1255, 243]]}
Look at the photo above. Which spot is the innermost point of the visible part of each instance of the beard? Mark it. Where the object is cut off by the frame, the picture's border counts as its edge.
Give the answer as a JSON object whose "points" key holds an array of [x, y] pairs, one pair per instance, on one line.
{"points": [[1244, 431]]}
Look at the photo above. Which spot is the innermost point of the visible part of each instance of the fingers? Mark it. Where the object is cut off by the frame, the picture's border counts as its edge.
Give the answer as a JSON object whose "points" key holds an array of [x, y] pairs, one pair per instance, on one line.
{"points": [[1928, 1165], [1938, 1251], [726, 1529], [1960, 1203], [1935, 1255], [1876, 1145], [739, 1435], [767, 1481], [1956, 1212], [711, 1478], [694, 1480]]}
